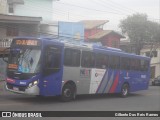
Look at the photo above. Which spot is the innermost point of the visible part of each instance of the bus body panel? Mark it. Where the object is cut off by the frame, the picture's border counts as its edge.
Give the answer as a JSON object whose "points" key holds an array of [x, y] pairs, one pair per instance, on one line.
{"points": [[80, 76], [87, 80], [52, 83]]}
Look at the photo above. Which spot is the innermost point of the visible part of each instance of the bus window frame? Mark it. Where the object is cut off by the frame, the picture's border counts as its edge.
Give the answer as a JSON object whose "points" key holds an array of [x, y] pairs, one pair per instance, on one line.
{"points": [[47, 70]]}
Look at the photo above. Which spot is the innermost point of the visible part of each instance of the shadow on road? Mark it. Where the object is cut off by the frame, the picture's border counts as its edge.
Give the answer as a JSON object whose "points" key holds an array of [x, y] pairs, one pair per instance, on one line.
{"points": [[79, 98]]}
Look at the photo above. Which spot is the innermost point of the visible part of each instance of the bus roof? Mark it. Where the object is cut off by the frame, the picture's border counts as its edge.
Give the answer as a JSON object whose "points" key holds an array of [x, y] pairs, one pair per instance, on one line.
{"points": [[83, 45]]}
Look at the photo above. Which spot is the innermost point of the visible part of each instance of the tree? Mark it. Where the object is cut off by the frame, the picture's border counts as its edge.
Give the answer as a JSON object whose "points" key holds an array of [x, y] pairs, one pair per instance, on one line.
{"points": [[140, 30]]}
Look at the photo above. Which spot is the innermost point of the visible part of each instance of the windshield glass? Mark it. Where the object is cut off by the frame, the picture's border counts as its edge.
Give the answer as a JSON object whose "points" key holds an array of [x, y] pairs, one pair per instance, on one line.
{"points": [[25, 60]]}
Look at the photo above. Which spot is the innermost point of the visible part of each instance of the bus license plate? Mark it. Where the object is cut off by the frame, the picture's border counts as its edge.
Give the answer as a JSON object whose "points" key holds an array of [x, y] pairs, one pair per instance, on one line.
{"points": [[15, 88]]}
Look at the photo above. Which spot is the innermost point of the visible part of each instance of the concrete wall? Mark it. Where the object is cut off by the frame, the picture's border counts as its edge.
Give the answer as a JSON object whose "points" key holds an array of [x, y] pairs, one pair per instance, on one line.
{"points": [[35, 8], [3, 7]]}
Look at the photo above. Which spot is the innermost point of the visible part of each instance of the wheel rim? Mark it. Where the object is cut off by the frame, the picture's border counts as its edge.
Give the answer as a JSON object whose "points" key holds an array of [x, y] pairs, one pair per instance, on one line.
{"points": [[67, 92], [125, 91]]}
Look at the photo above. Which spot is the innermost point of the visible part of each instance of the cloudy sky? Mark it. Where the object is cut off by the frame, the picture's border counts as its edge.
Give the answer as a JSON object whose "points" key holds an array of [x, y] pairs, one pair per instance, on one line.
{"points": [[112, 10]]}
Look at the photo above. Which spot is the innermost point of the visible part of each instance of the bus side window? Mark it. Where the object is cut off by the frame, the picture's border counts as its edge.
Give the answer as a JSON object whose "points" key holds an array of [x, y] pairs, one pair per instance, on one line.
{"points": [[102, 61], [125, 63], [144, 65], [114, 62], [88, 59], [53, 58], [135, 64], [72, 57]]}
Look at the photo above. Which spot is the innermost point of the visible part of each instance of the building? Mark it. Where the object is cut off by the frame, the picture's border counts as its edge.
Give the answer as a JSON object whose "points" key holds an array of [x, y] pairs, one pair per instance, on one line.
{"points": [[32, 8], [155, 59], [127, 46], [94, 32], [24, 18]]}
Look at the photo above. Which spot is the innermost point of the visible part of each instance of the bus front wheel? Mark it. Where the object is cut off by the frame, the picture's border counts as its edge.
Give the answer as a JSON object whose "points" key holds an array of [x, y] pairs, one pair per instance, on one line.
{"points": [[125, 90], [68, 93]]}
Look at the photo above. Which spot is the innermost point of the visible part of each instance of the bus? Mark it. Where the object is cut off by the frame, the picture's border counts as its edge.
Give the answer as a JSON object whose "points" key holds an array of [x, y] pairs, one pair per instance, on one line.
{"points": [[49, 67]]}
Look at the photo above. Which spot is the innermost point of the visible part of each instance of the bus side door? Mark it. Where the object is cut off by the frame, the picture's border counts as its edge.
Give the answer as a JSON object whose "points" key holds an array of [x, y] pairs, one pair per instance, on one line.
{"points": [[53, 70]]}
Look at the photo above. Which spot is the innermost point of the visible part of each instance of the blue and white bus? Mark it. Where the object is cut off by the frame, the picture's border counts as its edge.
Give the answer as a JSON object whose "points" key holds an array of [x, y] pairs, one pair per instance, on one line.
{"points": [[48, 67]]}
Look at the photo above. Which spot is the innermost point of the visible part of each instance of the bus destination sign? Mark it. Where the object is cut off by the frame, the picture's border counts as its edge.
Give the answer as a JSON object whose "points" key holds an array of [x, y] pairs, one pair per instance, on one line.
{"points": [[27, 42]]}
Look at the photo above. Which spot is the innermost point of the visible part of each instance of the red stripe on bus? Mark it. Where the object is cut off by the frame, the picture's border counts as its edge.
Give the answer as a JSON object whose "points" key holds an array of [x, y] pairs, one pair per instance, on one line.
{"points": [[114, 85]]}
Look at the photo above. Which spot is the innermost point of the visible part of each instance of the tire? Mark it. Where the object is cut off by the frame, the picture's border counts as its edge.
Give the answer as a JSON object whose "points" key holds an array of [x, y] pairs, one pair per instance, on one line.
{"points": [[125, 90], [68, 93]]}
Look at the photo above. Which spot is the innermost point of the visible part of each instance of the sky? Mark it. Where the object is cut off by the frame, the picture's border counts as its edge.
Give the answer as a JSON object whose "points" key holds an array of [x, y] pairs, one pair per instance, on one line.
{"points": [[112, 10]]}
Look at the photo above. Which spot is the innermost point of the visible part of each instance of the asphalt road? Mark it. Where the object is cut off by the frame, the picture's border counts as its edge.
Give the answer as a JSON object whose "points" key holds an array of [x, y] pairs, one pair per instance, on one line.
{"points": [[147, 100]]}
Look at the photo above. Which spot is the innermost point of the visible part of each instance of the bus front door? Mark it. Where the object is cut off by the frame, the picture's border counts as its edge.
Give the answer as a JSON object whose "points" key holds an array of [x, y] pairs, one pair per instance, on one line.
{"points": [[53, 71]]}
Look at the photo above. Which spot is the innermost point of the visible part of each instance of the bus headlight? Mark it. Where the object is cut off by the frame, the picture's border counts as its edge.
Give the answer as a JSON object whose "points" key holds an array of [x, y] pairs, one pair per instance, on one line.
{"points": [[33, 83]]}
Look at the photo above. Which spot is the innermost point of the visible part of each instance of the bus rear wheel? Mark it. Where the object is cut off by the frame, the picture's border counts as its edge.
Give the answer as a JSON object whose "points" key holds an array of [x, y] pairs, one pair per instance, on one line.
{"points": [[125, 90], [68, 93]]}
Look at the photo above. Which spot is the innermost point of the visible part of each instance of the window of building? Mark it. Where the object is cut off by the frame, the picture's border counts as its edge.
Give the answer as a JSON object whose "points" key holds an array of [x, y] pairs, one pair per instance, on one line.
{"points": [[12, 31], [88, 59], [10, 8], [102, 61], [72, 57]]}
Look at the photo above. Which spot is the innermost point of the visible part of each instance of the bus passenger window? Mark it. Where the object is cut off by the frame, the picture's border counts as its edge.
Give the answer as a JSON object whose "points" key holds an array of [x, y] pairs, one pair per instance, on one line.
{"points": [[114, 62], [53, 57], [72, 57], [88, 59], [125, 63], [135, 64], [144, 65], [102, 61]]}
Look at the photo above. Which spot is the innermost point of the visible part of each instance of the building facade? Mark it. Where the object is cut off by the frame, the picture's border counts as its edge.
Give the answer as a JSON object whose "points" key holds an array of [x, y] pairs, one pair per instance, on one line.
{"points": [[94, 32], [23, 18], [32, 8], [155, 60]]}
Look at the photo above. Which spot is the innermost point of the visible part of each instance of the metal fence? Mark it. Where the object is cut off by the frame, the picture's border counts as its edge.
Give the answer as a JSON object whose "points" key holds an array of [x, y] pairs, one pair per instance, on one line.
{"points": [[5, 42]]}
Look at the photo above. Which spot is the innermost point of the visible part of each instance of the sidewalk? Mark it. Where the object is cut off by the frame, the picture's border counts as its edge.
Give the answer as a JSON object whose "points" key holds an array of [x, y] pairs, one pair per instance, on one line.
{"points": [[2, 87]]}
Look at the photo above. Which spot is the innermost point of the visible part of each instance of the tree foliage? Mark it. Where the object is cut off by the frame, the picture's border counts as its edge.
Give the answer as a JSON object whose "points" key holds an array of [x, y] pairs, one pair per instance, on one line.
{"points": [[140, 30]]}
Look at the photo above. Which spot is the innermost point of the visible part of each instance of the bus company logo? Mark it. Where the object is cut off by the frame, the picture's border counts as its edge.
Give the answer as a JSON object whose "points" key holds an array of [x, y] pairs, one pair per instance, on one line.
{"points": [[96, 74], [6, 114], [85, 73]]}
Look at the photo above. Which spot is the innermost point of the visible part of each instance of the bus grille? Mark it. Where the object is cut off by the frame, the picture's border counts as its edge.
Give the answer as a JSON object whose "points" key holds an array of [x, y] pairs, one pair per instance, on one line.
{"points": [[20, 88]]}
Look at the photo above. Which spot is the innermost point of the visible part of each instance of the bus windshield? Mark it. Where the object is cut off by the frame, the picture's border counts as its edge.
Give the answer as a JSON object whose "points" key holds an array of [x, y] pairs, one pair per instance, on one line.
{"points": [[24, 60]]}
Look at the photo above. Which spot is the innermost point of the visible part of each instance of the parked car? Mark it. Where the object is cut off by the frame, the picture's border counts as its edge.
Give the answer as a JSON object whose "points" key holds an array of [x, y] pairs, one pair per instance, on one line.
{"points": [[156, 81]]}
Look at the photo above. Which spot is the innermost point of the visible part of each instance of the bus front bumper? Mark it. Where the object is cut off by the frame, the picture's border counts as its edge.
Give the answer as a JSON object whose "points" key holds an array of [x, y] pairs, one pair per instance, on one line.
{"points": [[34, 90]]}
